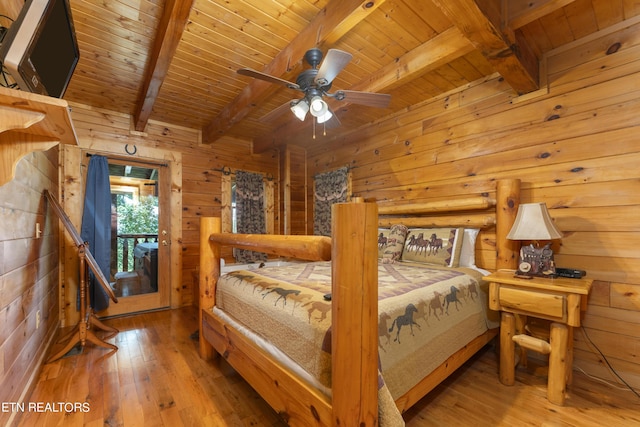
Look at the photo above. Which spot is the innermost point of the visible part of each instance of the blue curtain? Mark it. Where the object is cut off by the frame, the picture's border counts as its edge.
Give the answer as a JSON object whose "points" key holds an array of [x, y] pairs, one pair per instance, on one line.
{"points": [[96, 226]]}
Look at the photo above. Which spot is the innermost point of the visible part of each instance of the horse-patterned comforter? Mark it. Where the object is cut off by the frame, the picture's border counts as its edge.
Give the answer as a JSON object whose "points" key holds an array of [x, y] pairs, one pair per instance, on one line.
{"points": [[425, 315]]}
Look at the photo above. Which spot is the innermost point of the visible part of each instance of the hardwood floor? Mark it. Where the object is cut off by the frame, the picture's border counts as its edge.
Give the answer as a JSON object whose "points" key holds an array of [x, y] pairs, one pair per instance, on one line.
{"points": [[156, 378]]}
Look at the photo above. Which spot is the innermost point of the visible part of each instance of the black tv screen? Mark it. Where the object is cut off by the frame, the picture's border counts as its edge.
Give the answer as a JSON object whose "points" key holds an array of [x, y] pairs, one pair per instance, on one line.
{"points": [[40, 50]]}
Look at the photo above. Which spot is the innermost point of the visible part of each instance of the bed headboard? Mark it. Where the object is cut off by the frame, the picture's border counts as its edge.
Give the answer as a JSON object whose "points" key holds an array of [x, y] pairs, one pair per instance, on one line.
{"points": [[493, 215]]}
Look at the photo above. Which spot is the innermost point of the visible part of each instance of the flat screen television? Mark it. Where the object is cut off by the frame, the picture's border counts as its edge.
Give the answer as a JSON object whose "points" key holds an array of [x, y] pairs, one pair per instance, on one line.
{"points": [[40, 49]]}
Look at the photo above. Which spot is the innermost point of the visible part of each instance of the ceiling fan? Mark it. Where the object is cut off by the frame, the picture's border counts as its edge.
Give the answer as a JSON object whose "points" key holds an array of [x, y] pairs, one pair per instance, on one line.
{"points": [[315, 84]]}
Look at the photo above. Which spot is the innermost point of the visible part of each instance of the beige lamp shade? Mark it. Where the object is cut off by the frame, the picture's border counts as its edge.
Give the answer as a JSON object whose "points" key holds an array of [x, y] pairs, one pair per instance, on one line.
{"points": [[533, 222]]}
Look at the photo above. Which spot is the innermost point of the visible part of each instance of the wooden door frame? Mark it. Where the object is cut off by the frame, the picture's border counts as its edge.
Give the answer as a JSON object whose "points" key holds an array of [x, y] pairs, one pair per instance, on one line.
{"points": [[72, 184]]}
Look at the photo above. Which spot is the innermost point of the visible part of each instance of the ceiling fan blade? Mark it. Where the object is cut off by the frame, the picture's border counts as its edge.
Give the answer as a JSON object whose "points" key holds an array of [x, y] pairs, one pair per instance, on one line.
{"points": [[332, 64], [267, 78], [276, 112], [371, 99]]}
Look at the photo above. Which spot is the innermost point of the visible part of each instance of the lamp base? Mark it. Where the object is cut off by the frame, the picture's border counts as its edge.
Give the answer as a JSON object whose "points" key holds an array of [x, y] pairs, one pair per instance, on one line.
{"points": [[536, 262]]}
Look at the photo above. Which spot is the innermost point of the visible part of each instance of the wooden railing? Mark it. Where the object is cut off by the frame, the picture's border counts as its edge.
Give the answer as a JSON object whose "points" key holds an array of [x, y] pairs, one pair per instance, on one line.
{"points": [[137, 238]]}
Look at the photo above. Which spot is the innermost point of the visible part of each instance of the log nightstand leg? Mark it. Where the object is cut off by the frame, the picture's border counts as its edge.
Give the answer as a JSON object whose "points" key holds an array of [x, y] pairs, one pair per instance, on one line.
{"points": [[569, 361], [559, 340], [507, 349]]}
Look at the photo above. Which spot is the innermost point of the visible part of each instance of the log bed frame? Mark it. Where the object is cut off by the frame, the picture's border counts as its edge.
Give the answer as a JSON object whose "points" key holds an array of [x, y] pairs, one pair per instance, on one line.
{"points": [[354, 304]]}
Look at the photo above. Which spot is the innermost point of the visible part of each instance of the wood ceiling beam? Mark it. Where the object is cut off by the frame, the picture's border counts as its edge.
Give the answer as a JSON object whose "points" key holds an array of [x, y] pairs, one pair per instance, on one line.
{"points": [[331, 23], [172, 24], [481, 21], [434, 53]]}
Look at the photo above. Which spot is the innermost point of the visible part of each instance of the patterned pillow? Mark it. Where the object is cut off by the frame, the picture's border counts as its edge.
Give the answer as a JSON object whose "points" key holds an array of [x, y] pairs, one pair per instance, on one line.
{"points": [[391, 242], [383, 238], [438, 246]]}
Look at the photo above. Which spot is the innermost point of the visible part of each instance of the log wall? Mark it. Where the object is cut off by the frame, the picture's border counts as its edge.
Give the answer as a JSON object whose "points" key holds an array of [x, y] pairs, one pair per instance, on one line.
{"points": [[29, 275], [574, 144]]}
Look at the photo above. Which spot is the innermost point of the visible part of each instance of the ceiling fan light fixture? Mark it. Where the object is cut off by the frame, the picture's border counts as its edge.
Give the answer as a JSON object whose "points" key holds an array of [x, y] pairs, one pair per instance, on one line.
{"points": [[300, 109], [318, 107], [325, 117]]}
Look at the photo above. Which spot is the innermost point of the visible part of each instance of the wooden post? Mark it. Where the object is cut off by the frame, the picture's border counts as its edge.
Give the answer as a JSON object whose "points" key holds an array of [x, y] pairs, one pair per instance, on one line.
{"points": [[209, 274], [507, 349], [559, 338], [354, 340], [508, 197]]}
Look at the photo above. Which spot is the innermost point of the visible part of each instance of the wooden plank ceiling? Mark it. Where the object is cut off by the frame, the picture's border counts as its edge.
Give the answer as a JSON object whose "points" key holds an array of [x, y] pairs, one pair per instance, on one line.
{"points": [[175, 61]]}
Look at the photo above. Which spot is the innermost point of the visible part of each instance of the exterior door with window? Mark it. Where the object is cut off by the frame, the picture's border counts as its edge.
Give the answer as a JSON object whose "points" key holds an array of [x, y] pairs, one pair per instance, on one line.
{"points": [[140, 249]]}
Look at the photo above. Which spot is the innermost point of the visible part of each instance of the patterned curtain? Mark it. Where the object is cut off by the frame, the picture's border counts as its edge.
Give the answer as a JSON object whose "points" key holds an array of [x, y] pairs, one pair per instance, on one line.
{"points": [[250, 217], [330, 187]]}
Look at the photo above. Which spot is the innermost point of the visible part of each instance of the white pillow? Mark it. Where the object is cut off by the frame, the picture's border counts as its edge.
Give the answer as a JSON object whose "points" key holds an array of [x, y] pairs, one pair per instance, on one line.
{"points": [[468, 252]]}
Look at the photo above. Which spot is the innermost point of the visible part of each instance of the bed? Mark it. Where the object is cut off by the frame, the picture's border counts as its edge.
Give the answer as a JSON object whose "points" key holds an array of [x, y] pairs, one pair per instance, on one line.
{"points": [[351, 391]]}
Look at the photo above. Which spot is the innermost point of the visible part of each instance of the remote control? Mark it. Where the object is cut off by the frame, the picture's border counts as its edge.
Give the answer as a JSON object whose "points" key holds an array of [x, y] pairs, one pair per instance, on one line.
{"points": [[571, 273]]}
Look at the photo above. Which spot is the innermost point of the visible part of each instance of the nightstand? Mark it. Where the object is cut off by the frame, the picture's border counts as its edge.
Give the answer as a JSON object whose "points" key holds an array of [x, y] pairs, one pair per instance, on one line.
{"points": [[559, 300]]}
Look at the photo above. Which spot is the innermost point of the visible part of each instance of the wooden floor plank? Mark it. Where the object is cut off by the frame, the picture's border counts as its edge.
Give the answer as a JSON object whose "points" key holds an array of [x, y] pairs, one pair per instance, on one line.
{"points": [[156, 378]]}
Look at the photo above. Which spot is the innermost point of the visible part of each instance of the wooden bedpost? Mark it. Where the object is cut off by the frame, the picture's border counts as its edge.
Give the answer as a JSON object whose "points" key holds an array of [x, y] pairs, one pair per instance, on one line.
{"points": [[209, 274], [354, 342], [508, 200]]}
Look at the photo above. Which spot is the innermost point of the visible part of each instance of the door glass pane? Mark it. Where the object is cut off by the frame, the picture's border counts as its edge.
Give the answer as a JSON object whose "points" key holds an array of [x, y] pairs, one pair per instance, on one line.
{"points": [[134, 229]]}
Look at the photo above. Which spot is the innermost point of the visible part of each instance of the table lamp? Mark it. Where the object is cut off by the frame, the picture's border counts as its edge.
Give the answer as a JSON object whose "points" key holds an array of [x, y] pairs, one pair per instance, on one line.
{"points": [[534, 223]]}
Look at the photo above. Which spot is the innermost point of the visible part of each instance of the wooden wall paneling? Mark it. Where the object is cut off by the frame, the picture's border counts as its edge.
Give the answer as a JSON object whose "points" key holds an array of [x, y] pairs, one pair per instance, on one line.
{"points": [[609, 329], [618, 345], [601, 218], [70, 199], [617, 66], [627, 193], [172, 205], [191, 212], [588, 54], [225, 215], [613, 320], [28, 275], [507, 158], [285, 185], [589, 361], [625, 296], [597, 243], [623, 270], [270, 206], [298, 184], [554, 118]]}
